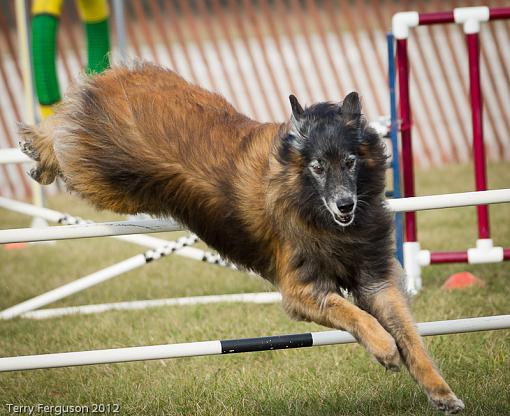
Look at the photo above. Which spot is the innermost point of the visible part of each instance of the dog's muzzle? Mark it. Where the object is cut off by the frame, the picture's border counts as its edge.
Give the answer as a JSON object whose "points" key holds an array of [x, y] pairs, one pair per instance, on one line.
{"points": [[345, 210]]}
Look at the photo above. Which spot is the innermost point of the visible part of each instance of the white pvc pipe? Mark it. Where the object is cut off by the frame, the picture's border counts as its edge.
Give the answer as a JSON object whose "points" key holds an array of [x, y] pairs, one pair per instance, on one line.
{"points": [[98, 277], [56, 216], [193, 349], [74, 286], [104, 229], [456, 326], [420, 203], [31, 210], [470, 17], [269, 297], [115, 355], [139, 239], [94, 278], [120, 26], [22, 25], [13, 155], [402, 21]]}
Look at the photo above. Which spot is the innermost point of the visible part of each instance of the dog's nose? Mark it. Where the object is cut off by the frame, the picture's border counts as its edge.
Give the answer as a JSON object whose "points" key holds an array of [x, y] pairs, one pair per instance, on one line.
{"points": [[345, 205]]}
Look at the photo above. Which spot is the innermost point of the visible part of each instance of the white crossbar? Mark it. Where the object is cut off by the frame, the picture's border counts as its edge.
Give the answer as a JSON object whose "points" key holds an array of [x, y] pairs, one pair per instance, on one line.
{"points": [[264, 297], [464, 199], [161, 247], [13, 155], [74, 286], [193, 349], [102, 229], [20, 235]]}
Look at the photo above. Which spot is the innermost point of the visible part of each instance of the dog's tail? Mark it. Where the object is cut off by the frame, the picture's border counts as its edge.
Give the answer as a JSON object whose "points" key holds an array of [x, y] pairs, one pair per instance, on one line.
{"points": [[37, 143]]}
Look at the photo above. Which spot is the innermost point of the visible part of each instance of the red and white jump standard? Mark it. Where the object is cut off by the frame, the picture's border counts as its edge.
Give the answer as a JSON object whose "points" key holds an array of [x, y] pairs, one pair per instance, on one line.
{"points": [[484, 252]]}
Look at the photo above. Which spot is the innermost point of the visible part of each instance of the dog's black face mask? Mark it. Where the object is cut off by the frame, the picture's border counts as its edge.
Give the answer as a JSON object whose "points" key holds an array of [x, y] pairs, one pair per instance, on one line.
{"points": [[327, 137]]}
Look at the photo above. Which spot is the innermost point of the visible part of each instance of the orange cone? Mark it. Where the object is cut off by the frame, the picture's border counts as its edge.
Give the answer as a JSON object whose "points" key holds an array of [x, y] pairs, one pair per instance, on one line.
{"points": [[462, 280], [15, 246]]}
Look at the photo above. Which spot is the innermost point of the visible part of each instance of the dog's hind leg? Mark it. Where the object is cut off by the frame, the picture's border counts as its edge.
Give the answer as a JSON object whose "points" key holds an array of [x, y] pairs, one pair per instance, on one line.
{"points": [[389, 306], [332, 310], [37, 143]]}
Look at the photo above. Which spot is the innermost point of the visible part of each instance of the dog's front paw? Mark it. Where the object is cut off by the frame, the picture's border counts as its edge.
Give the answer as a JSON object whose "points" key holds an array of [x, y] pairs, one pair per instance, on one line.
{"points": [[390, 359], [448, 403], [382, 346]]}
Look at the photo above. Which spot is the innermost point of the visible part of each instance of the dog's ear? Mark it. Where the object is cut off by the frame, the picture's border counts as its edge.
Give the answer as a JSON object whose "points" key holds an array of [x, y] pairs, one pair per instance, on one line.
{"points": [[351, 113], [296, 122], [351, 110], [297, 110]]}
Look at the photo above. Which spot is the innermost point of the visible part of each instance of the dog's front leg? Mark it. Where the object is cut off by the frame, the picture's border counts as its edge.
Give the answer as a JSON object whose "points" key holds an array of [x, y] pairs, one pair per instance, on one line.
{"points": [[332, 310], [389, 305]]}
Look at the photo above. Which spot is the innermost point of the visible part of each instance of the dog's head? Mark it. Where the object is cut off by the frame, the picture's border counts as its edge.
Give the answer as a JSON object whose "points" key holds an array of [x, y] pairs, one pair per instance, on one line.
{"points": [[334, 152]]}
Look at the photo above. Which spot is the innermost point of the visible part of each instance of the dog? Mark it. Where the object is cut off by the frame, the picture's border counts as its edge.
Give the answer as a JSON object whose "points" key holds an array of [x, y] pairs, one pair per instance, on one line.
{"points": [[301, 203]]}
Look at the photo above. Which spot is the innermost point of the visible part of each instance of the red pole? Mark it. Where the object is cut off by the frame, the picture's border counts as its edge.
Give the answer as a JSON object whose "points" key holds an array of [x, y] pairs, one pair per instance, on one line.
{"points": [[477, 122], [499, 13], [432, 18], [439, 257], [405, 130]]}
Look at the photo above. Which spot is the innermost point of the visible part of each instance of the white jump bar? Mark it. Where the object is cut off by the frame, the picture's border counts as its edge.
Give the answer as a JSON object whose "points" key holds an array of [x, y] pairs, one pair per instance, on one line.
{"points": [[154, 226], [464, 199], [104, 229], [264, 297], [155, 352], [13, 155]]}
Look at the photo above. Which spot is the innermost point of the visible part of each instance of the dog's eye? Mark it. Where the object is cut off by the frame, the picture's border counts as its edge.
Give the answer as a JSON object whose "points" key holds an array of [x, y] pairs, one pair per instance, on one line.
{"points": [[349, 163], [318, 167]]}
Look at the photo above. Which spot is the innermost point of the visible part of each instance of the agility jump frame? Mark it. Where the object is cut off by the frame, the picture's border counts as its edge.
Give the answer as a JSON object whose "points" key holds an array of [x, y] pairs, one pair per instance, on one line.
{"points": [[194, 349], [264, 343], [470, 18], [121, 228], [158, 248]]}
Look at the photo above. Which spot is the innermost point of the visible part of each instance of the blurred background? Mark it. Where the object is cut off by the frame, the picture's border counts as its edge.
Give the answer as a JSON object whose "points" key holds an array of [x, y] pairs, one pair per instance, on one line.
{"points": [[256, 53]]}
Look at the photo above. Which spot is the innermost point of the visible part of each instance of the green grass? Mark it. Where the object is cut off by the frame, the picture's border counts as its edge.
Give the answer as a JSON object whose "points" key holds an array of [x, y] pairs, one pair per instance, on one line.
{"points": [[339, 380]]}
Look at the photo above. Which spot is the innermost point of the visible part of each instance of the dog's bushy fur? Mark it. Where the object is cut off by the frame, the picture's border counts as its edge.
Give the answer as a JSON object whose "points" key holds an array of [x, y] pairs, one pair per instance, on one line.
{"points": [[266, 196]]}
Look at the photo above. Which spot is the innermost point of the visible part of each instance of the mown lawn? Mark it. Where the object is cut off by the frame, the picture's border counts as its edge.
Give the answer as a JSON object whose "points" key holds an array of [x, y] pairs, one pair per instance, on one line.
{"points": [[340, 380]]}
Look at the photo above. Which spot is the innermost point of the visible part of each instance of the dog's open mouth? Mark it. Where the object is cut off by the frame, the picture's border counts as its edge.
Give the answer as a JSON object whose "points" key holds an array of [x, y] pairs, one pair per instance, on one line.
{"points": [[344, 219]]}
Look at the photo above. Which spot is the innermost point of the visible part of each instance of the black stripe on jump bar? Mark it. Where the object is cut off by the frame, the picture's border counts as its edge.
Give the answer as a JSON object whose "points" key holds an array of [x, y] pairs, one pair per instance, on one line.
{"points": [[279, 342]]}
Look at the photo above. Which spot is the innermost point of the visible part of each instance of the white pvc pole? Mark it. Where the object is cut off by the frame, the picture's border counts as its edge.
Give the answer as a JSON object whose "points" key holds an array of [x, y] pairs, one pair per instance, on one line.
{"points": [[140, 239], [59, 217], [455, 326], [104, 229], [28, 83], [13, 155], [154, 226], [193, 349], [116, 355], [420, 203], [74, 286], [160, 245], [259, 298], [31, 210], [96, 278], [120, 26]]}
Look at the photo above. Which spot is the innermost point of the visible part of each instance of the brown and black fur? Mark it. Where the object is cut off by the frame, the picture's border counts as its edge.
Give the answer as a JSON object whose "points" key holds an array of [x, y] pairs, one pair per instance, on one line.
{"points": [[142, 139]]}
